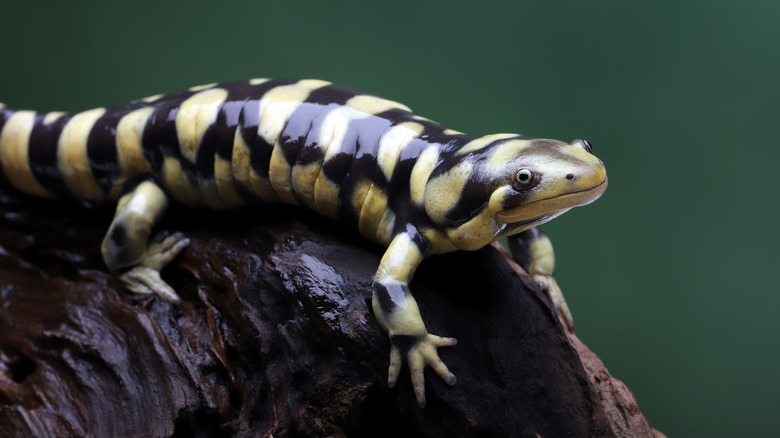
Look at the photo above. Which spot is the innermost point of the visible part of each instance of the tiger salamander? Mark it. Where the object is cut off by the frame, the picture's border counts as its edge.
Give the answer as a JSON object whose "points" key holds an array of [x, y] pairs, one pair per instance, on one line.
{"points": [[399, 179]]}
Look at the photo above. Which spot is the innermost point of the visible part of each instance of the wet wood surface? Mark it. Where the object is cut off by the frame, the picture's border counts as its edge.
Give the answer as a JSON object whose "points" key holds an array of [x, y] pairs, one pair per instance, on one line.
{"points": [[275, 337]]}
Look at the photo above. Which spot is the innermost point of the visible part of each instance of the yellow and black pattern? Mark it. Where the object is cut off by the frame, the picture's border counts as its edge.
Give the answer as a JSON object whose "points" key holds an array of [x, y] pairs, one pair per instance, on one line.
{"points": [[395, 177]]}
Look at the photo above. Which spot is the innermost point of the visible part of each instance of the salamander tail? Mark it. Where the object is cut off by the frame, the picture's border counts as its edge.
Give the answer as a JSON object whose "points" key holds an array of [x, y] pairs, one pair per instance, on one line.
{"points": [[18, 146]]}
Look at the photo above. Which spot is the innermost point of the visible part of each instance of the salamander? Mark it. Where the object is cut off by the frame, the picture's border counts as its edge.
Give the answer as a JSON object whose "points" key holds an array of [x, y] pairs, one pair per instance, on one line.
{"points": [[396, 178]]}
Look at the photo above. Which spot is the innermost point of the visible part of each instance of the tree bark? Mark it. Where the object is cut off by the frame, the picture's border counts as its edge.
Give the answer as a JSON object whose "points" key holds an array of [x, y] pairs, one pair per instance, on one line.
{"points": [[275, 337]]}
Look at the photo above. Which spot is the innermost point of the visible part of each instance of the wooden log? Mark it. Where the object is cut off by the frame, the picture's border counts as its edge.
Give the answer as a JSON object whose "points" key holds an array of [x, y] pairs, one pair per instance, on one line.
{"points": [[275, 337]]}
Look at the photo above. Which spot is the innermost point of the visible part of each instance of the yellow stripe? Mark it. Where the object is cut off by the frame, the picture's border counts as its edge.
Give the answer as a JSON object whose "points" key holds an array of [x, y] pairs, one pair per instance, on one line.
{"points": [[333, 129], [223, 178], [371, 214], [72, 156], [480, 143], [240, 166], [178, 184], [507, 152], [194, 117], [151, 98], [385, 230], [374, 104], [202, 87], [279, 173], [392, 143], [304, 177], [14, 155], [130, 155], [421, 172], [439, 241], [359, 194], [476, 233], [400, 260], [443, 192], [243, 173], [52, 117], [278, 103], [276, 106]]}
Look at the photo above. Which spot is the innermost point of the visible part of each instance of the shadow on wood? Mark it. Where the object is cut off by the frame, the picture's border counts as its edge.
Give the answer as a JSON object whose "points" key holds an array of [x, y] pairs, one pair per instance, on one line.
{"points": [[275, 337]]}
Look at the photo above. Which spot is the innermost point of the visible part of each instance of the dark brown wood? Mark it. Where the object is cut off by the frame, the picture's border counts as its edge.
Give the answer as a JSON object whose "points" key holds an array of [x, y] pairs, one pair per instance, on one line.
{"points": [[275, 337]]}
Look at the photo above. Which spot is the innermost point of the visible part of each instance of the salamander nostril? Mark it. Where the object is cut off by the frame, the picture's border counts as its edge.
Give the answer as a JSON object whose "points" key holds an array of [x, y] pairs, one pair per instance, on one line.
{"points": [[570, 176]]}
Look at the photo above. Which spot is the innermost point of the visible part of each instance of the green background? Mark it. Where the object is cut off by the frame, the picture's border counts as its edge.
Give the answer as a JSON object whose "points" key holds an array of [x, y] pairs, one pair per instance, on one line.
{"points": [[671, 275]]}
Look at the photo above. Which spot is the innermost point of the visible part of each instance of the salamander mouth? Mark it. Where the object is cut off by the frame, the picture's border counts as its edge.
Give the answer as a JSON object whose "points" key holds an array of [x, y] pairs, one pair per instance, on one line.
{"points": [[549, 206]]}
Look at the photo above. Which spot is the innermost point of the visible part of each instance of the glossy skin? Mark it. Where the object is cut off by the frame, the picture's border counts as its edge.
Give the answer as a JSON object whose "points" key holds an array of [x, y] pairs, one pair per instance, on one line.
{"points": [[396, 178]]}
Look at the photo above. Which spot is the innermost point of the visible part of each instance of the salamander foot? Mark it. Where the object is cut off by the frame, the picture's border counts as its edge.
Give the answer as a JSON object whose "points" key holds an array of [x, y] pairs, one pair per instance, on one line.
{"points": [[550, 287], [144, 278], [419, 351]]}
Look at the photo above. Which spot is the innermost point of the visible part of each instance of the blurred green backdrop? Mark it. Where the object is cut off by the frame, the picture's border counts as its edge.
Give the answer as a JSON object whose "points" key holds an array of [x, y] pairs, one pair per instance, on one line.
{"points": [[669, 275]]}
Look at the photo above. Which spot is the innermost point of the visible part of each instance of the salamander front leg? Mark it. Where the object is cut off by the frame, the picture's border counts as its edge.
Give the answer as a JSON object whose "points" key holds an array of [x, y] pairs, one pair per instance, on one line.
{"points": [[398, 314], [533, 250], [127, 250]]}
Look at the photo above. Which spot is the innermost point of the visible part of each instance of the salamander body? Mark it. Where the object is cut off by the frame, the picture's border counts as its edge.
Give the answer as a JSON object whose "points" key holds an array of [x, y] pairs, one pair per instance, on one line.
{"points": [[397, 178]]}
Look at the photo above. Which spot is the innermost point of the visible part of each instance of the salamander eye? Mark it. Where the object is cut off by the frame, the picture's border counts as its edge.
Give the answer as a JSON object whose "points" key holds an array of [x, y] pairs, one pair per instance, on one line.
{"points": [[524, 178]]}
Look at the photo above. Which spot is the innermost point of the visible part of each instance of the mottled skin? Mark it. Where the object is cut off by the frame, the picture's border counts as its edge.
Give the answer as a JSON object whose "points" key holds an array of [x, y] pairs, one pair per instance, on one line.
{"points": [[396, 178]]}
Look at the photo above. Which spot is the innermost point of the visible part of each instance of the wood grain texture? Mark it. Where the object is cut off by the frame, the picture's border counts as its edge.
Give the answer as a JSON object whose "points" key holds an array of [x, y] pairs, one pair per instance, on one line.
{"points": [[275, 337]]}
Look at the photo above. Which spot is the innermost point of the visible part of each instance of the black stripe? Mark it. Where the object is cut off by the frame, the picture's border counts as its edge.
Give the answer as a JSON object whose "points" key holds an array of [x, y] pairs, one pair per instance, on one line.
{"points": [[102, 146], [384, 292], [160, 138], [448, 157], [260, 150], [405, 343], [421, 242], [432, 131], [520, 245], [218, 136], [337, 167], [453, 143], [42, 154], [400, 181], [398, 188], [365, 134], [332, 94], [232, 114], [396, 116], [311, 151], [297, 130], [229, 118], [473, 199], [206, 154]]}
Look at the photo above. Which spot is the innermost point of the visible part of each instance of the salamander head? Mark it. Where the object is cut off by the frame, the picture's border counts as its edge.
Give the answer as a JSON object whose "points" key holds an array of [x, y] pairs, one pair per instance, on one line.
{"points": [[509, 186]]}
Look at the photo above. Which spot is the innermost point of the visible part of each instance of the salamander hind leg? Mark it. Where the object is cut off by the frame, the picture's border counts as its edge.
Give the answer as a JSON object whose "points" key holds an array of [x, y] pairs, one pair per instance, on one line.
{"points": [[398, 314], [533, 250], [127, 248]]}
